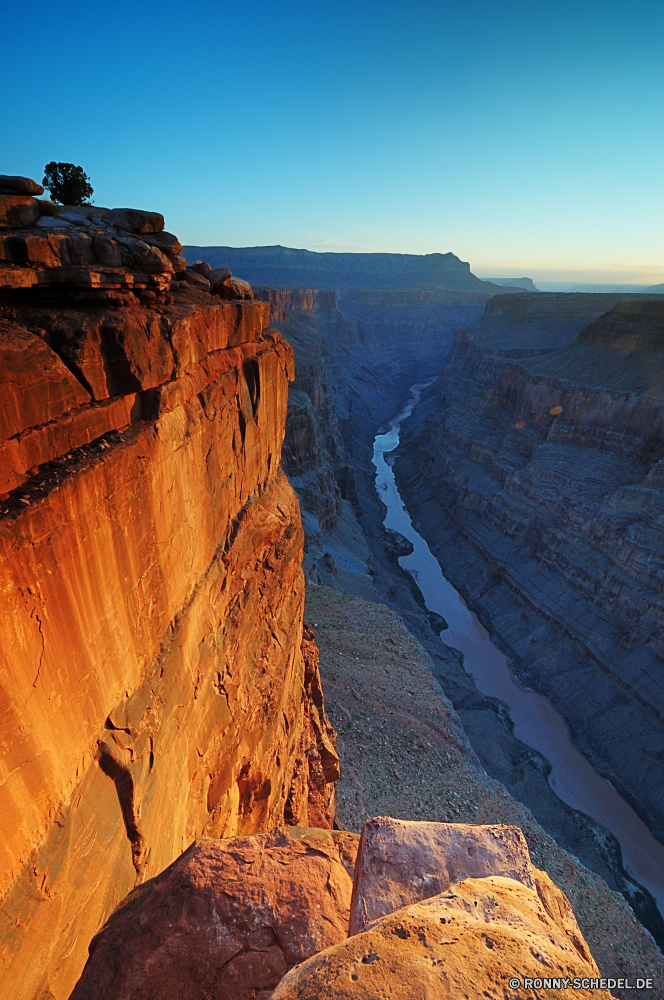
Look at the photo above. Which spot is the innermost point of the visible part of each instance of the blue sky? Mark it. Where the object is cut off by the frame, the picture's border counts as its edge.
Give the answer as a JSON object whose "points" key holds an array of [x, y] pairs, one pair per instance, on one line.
{"points": [[527, 138]]}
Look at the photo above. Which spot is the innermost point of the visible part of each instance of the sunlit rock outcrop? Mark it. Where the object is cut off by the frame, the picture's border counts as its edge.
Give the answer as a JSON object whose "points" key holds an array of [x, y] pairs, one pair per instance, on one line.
{"points": [[157, 682]]}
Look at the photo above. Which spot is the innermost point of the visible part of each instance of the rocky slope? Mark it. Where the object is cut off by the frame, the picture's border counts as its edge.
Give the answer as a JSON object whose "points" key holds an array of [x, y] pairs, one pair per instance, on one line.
{"points": [[365, 382], [157, 680], [359, 376], [404, 753], [534, 473]]}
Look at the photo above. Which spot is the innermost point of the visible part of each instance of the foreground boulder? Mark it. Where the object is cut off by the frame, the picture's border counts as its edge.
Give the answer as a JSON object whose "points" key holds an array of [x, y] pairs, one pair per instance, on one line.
{"points": [[227, 919], [400, 862], [134, 220], [13, 184], [468, 942]]}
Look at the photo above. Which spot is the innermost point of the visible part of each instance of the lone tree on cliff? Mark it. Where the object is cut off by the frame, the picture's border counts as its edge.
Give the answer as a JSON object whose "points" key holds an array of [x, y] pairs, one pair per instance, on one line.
{"points": [[69, 185]]}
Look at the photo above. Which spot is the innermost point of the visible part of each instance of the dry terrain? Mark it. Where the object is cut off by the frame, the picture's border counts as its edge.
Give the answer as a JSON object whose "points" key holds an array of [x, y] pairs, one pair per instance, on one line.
{"points": [[404, 754]]}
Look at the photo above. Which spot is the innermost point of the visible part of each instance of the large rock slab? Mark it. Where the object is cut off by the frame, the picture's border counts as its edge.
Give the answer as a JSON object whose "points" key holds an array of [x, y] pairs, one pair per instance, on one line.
{"points": [[227, 919], [468, 942], [10, 184], [402, 862], [36, 385], [134, 220], [158, 683], [18, 210]]}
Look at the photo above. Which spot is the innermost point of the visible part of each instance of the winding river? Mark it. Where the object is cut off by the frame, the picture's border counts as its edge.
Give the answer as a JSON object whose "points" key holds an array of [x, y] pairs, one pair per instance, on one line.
{"points": [[536, 723]]}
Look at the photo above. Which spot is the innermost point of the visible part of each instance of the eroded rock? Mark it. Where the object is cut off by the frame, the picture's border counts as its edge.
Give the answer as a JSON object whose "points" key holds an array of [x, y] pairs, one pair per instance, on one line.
{"points": [[17, 210], [134, 220], [228, 919], [196, 280], [467, 942], [19, 185], [400, 862], [150, 561]]}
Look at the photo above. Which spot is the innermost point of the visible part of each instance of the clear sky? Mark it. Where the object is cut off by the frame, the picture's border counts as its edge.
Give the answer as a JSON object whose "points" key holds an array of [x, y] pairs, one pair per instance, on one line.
{"points": [[527, 138]]}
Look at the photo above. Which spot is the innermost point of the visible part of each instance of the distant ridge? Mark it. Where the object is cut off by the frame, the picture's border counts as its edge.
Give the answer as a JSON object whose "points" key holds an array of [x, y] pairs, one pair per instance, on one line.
{"points": [[284, 267], [525, 283]]}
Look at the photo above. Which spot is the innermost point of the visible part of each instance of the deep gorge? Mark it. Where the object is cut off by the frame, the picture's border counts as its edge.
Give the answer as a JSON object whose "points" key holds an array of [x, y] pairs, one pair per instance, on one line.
{"points": [[181, 455], [363, 378]]}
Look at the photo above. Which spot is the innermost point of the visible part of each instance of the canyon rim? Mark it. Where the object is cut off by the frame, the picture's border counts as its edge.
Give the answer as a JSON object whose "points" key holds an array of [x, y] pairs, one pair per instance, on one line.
{"points": [[179, 451]]}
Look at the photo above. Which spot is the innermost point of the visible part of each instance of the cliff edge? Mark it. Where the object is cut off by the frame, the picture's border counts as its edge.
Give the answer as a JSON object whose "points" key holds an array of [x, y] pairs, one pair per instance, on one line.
{"points": [[158, 683]]}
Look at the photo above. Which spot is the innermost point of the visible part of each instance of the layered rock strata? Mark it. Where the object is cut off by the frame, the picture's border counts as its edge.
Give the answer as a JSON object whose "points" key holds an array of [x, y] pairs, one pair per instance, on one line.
{"points": [[157, 681], [351, 362], [87, 247], [364, 374], [549, 467], [313, 454]]}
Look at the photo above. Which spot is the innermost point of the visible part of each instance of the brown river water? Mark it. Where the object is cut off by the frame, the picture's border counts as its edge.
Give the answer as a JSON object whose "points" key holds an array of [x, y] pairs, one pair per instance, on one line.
{"points": [[536, 722]]}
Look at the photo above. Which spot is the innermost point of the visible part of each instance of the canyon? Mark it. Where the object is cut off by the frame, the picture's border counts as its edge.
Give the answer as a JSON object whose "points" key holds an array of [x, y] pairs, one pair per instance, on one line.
{"points": [[355, 374], [181, 452], [542, 464]]}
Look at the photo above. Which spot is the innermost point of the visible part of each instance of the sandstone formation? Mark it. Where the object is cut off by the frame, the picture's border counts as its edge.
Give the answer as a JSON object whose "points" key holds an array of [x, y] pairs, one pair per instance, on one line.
{"points": [[358, 371], [401, 862], [467, 942], [537, 484], [159, 684], [87, 247], [157, 681], [228, 919]]}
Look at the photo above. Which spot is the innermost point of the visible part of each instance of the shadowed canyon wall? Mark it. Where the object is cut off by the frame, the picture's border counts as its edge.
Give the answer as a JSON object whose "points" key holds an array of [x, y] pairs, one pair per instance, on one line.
{"points": [[534, 472], [359, 371], [156, 680]]}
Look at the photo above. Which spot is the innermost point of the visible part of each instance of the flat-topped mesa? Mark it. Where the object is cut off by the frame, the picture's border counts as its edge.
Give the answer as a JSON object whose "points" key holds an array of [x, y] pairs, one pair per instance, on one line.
{"points": [[285, 267], [533, 323], [159, 683]]}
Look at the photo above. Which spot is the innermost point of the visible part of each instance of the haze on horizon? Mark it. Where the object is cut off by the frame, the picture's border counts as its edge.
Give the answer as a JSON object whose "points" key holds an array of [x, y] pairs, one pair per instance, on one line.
{"points": [[524, 138]]}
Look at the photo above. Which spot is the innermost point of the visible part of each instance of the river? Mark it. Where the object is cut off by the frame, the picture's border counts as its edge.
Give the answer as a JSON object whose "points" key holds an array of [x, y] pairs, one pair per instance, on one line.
{"points": [[536, 722]]}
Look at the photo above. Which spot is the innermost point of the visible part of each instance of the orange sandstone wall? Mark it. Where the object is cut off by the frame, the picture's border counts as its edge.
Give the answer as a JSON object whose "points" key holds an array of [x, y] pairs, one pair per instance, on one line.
{"points": [[155, 683]]}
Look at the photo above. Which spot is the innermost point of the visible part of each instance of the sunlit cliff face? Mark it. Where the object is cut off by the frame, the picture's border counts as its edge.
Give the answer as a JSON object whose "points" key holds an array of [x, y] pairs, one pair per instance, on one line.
{"points": [[150, 551]]}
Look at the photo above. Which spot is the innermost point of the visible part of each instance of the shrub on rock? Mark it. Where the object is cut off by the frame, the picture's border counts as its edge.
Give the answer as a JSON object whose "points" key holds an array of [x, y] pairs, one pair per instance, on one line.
{"points": [[68, 184]]}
